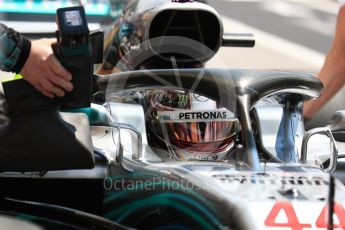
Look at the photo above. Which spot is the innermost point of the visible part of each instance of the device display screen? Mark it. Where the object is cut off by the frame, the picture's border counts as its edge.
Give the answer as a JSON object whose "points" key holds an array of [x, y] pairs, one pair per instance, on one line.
{"points": [[73, 18]]}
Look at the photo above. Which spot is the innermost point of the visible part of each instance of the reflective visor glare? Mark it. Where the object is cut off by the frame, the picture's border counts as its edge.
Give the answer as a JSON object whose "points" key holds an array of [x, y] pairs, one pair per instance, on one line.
{"points": [[209, 137], [200, 131]]}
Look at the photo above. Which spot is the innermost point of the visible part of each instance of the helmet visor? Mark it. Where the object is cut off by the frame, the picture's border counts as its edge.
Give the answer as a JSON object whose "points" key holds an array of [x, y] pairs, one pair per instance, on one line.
{"points": [[192, 122]]}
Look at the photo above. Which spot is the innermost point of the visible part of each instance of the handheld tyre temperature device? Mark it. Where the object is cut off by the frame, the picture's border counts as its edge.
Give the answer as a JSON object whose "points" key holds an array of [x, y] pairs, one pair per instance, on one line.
{"points": [[74, 51], [78, 50], [27, 109]]}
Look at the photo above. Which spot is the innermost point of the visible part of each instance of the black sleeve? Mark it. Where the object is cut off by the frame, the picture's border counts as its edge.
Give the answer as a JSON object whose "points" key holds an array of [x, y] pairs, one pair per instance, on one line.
{"points": [[14, 49]]}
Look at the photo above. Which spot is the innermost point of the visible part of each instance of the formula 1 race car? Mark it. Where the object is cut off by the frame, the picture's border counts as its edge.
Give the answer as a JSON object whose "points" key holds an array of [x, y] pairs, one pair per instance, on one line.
{"points": [[157, 141]]}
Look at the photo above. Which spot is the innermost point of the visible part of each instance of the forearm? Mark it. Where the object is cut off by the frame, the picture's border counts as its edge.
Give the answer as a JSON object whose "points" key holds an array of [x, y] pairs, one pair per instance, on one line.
{"points": [[332, 73], [14, 50], [332, 76]]}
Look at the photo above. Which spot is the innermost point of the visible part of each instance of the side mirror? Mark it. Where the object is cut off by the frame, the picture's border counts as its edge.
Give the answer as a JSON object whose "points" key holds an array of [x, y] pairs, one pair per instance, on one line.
{"points": [[136, 141], [100, 117], [324, 137], [337, 122]]}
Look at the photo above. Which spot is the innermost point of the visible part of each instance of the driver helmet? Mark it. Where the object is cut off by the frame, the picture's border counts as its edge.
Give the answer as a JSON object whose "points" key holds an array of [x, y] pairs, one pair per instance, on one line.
{"points": [[189, 126]]}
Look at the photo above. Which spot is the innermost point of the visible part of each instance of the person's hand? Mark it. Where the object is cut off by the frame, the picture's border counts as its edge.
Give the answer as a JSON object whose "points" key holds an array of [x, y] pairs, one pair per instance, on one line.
{"points": [[44, 71]]}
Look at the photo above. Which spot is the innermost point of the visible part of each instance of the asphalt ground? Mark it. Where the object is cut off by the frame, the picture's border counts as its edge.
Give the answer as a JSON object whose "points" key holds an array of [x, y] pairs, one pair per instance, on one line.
{"points": [[290, 35]]}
